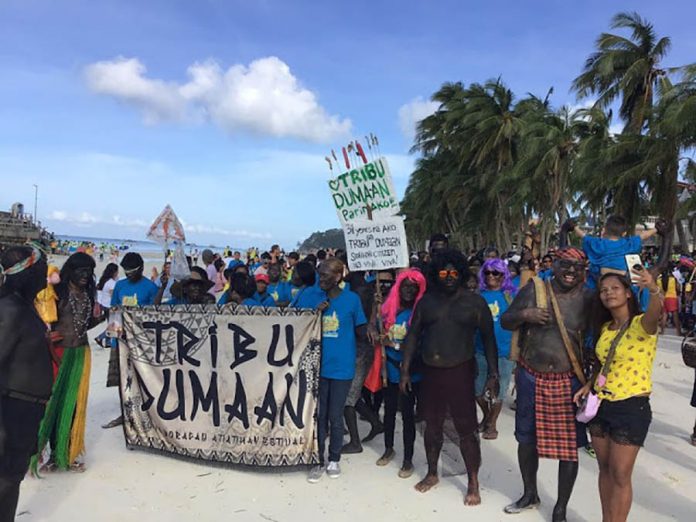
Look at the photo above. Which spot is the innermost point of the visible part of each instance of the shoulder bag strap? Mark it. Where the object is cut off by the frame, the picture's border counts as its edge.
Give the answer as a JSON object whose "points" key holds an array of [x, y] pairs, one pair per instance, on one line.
{"points": [[577, 368], [612, 349]]}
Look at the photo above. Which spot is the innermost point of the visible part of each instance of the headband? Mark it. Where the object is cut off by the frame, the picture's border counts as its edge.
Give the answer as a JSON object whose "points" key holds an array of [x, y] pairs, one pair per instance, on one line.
{"points": [[132, 270], [571, 253], [22, 265]]}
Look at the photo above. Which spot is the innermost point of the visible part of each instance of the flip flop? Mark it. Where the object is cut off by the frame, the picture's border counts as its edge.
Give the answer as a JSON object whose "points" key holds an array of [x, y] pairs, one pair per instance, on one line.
{"points": [[406, 472], [77, 467], [512, 509]]}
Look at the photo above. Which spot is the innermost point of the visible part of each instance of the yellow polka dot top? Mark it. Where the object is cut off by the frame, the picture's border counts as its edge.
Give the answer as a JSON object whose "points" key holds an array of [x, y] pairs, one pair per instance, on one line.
{"points": [[630, 373]]}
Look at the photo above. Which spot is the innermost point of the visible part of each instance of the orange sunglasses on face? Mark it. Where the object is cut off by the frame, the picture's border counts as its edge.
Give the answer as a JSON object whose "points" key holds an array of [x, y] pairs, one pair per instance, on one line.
{"points": [[444, 273]]}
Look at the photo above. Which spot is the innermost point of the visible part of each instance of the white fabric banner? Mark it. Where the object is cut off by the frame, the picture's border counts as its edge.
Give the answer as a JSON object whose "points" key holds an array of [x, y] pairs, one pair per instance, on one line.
{"points": [[229, 384]]}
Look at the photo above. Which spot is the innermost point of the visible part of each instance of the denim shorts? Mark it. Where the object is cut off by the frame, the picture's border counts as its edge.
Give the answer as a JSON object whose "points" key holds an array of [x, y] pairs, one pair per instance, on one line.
{"points": [[505, 369]]}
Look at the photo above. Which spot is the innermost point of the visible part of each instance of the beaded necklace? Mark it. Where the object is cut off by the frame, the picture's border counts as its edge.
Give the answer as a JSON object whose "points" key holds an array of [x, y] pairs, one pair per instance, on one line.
{"points": [[81, 310]]}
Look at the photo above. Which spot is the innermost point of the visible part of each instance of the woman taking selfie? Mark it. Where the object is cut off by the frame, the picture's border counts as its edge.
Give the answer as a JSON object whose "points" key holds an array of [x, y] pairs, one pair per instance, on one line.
{"points": [[625, 349]]}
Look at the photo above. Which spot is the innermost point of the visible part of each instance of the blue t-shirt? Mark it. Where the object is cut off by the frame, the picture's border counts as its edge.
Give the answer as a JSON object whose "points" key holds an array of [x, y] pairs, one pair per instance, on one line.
{"points": [[545, 275], [308, 297], [264, 300], [397, 334], [608, 253], [498, 304], [142, 293], [280, 292], [339, 322], [516, 281], [234, 263]]}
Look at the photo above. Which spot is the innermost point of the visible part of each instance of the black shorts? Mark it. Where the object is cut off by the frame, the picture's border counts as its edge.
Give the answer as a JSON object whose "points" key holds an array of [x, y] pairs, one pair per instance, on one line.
{"points": [[625, 422]]}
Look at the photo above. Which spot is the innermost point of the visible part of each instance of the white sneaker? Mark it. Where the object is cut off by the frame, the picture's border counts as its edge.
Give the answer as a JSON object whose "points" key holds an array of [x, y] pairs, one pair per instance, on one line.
{"points": [[315, 474], [333, 470]]}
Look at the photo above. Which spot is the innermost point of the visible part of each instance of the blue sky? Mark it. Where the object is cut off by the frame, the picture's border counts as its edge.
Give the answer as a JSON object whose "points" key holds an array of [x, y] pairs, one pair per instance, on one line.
{"points": [[225, 109]]}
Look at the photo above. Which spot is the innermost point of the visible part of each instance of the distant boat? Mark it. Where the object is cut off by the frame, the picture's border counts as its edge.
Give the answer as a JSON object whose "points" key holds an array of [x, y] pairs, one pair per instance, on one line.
{"points": [[17, 227]]}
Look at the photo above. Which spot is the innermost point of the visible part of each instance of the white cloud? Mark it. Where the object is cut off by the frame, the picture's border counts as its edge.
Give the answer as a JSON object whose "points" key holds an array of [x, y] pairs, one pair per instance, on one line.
{"points": [[87, 220], [263, 97], [413, 112], [207, 229]]}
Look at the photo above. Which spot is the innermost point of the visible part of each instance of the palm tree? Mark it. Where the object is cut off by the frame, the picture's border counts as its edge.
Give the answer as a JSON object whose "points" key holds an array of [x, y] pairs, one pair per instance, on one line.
{"points": [[489, 130], [626, 68], [550, 146]]}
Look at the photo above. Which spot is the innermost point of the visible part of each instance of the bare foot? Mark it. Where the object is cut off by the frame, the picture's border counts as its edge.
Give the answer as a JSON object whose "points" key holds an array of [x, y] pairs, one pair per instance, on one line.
{"points": [[429, 482], [490, 434], [472, 498]]}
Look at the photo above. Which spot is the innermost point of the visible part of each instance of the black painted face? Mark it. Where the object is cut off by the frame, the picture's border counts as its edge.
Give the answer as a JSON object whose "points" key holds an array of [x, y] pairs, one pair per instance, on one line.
{"points": [[328, 278], [568, 273], [274, 273], [408, 291], [449, 278], [386, 281], [194, 291], [81, 276], [134, 275]]}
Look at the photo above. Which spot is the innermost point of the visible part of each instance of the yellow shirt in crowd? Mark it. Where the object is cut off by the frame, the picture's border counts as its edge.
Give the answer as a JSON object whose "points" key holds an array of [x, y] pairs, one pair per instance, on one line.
{"points": [[630, 373], [671, 287]]}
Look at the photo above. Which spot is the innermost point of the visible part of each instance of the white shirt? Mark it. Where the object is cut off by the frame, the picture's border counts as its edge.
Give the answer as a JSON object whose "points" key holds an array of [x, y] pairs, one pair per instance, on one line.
{"points": [[104, 295]]}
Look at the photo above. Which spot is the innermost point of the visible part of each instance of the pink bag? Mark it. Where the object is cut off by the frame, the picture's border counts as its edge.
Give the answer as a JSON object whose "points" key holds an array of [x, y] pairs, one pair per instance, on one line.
{"points": [[589, 408]]}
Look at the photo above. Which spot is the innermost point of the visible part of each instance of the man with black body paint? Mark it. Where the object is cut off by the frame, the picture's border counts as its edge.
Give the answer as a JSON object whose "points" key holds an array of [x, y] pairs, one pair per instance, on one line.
{"points": [[544, 357], [443, 328]]}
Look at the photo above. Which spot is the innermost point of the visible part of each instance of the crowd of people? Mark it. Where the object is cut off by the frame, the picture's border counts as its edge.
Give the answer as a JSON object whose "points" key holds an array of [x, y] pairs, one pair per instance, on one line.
{"points": [[573, 331]]}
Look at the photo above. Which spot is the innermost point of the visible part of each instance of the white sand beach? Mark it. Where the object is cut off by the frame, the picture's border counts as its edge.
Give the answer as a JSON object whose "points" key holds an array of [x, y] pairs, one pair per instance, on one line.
{"points": [[122, 485]]}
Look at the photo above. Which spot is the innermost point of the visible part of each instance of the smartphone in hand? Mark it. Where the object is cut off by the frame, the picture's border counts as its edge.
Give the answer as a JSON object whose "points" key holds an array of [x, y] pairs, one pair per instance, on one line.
{"points": [[631, 261]]}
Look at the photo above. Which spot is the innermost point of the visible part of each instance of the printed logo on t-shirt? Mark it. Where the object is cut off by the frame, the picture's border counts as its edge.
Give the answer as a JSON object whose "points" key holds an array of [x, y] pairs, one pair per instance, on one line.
{"points": [[275, 296], [130, 300], [330, 325], [397, 333], [495, 310]]}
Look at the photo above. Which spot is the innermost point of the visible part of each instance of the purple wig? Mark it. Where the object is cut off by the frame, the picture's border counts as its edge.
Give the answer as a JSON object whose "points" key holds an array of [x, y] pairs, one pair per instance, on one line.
{"points": [[497, 265]]}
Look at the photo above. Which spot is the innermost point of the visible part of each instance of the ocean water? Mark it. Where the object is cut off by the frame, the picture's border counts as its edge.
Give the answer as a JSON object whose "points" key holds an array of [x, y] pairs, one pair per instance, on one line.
{"points": [[135, 245]]}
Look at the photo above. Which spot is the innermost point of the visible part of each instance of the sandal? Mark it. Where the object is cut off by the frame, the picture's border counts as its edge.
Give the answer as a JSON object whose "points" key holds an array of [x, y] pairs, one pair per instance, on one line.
{"points": [[48, 467], [386, 458], [77, 467], [406, 470]]}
